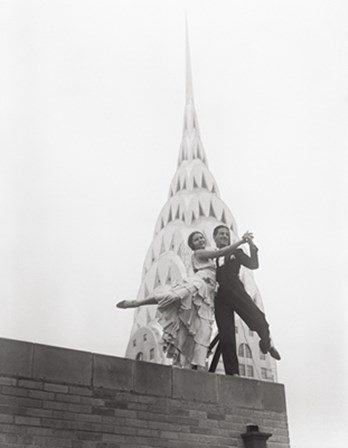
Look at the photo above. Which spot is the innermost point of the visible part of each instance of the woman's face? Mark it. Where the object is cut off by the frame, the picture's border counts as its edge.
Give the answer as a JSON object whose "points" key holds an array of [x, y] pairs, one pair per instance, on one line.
{"points": [[198, 241]]}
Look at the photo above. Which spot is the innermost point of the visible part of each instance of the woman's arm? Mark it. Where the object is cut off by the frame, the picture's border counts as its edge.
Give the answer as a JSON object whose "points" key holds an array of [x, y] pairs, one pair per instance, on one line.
{"points": [[204, 254]]}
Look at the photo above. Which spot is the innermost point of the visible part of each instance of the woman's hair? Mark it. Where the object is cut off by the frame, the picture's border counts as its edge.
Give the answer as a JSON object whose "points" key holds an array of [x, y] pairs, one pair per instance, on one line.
{"points": [[190, 238]]}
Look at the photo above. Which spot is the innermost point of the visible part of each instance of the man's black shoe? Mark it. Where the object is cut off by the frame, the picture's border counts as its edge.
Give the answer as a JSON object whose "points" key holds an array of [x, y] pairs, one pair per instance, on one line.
{"points": [[274, 353], [264, 346]]}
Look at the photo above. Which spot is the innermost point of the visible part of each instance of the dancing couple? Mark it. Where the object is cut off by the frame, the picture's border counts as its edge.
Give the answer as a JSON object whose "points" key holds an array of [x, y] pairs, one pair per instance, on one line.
{"points": [[186, 310]]}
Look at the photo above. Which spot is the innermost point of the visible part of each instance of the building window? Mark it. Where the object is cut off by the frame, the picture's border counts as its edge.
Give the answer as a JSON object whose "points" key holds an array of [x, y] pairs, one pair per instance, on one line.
{"points": [[244, 351], [139, 356], [152, 353], [266, 374], [134, 342], [145, 337], [251, 333], [242, 369], [236, 329], [262, 356], [250, 371]]}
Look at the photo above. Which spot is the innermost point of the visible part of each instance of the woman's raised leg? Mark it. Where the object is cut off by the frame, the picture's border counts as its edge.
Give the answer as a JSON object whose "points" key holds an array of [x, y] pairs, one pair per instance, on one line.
{"points": [[136, 303]]}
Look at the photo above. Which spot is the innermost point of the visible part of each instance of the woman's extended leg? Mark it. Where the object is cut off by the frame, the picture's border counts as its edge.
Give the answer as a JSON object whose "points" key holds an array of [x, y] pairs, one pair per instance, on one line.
{"points": [[136, 303], [165, 297]]}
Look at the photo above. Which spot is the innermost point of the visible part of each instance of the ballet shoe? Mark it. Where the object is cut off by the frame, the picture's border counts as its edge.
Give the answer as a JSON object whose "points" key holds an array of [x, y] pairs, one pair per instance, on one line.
{"points": [[124, 304]]}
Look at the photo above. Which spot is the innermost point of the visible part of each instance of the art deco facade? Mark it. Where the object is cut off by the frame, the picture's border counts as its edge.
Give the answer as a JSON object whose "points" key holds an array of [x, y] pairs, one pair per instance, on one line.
{"points": [[194, 203]]}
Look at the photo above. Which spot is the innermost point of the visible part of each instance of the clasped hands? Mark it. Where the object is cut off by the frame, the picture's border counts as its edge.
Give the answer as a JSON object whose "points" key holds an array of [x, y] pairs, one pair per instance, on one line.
{"points": [[248, 237]]}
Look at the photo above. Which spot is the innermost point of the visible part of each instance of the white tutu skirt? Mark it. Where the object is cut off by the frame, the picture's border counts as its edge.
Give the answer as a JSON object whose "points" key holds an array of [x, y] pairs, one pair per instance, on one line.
{"points": [[186, 314]]}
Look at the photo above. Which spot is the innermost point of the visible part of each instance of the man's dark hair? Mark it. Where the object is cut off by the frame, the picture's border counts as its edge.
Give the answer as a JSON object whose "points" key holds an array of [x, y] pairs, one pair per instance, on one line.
{"points": [[221, 226]]}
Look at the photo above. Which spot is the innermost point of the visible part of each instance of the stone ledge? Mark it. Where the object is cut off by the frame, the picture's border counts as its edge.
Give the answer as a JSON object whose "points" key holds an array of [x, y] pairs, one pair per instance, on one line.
{"points": [[66, 366], [62, 365], [195, 385], [112, 373], [16, 358]]}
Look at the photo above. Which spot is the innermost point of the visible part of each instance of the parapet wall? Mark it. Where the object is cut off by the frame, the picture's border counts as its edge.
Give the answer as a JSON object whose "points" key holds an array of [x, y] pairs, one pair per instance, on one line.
{"points": [[56, 397]]}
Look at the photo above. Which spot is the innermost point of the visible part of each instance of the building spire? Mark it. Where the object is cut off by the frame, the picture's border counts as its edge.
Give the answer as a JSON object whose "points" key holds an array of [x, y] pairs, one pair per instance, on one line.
{"points": [[193, 203], [189, 86], [191, 146]]}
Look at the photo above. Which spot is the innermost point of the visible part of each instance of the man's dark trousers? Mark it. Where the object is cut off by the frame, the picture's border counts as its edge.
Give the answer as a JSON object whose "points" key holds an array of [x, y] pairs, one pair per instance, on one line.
{"points": [[231, 298]]}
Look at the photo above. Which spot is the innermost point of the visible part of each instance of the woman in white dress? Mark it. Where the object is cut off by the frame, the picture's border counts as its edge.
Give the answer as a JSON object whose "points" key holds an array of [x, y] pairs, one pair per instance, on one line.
{"points": [[186, 310]]}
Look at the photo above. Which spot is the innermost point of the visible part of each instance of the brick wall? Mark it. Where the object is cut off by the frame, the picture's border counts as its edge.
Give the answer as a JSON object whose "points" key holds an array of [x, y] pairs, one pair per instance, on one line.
{"points": [[55, 397]]}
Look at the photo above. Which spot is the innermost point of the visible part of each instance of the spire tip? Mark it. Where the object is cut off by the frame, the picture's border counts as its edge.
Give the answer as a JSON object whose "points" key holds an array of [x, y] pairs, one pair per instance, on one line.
{"points": [[189, 87]]}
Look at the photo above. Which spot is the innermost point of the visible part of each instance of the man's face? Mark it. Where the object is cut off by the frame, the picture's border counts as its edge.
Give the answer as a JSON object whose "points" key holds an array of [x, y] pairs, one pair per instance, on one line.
{"points": [[222, 237]]}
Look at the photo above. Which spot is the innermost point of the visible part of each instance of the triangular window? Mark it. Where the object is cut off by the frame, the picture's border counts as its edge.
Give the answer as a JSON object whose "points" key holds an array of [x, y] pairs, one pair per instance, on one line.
{"points": [[146, 290], [177, 185], [211, 211], [157, 280], [172, 244], [204, 183], [148, 316], [169, 277], [201, 211], [163, 248], [194, 121], [177, 216], [193, 217]]}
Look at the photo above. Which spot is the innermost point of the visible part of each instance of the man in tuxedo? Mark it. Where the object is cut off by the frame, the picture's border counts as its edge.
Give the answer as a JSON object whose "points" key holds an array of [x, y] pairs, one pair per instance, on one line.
{"points": [[232, 297]]}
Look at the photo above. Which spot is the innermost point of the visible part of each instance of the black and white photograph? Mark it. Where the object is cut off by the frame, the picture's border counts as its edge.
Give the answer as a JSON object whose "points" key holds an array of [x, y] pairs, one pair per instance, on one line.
{"points": [[174, 215]]}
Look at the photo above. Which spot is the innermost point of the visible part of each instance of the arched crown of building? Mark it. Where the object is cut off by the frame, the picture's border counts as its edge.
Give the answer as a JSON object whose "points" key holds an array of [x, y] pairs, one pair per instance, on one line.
{"points": [[193, 203]]}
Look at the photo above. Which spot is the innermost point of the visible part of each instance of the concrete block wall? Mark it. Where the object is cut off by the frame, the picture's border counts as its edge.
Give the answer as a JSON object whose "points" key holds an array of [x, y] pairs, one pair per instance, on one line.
{"points": [[56, 397]]}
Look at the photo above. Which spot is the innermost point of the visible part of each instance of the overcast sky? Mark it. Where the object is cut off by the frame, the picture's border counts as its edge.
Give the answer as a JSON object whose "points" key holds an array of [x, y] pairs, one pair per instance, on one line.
{"points": [[91, 110]]}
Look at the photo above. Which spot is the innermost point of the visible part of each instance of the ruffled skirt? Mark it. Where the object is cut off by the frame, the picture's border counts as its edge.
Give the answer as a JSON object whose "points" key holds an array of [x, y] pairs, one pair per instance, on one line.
{"points": [[186, 314]]}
